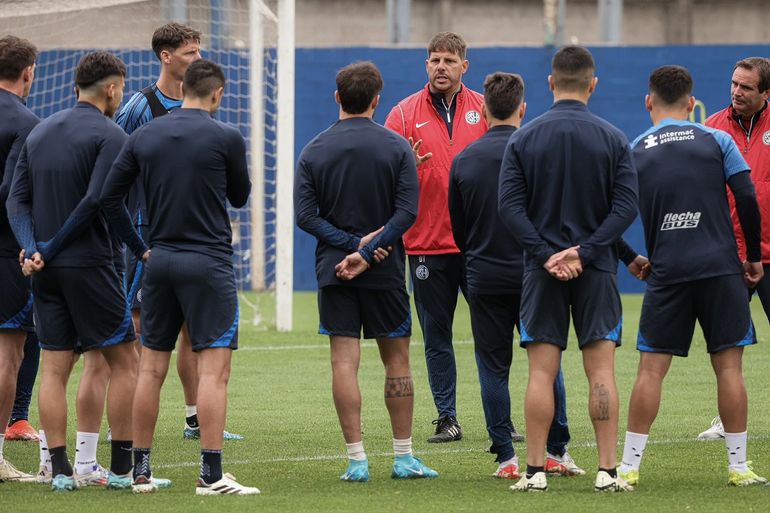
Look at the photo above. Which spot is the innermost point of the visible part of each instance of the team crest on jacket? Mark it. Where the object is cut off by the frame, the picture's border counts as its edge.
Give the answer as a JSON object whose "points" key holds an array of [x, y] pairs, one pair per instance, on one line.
{"points": [[766, 138], [422, 272], [472, 117]]}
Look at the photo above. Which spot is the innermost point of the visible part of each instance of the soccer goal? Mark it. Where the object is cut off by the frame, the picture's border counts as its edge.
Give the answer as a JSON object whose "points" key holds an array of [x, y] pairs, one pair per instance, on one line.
{"points": [[253, 40]]}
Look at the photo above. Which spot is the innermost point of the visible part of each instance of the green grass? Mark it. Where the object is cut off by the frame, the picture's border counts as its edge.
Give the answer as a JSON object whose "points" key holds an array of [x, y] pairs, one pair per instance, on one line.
{"points": [[280, 399]]}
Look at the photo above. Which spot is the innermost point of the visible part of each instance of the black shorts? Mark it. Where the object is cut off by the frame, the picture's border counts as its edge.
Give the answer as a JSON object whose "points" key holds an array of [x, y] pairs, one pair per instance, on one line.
{"points": [[80, 308], [720, 305], [184, 286], [16, 298], [592, 298], [343, 311]]}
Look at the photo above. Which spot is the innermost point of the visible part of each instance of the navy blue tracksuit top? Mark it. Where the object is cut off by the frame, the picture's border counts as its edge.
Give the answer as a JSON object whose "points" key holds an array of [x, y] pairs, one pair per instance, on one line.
{"points": [[567, 179]]}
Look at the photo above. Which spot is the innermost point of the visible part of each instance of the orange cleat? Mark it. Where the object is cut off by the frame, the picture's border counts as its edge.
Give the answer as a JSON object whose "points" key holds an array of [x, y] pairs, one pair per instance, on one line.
{"points": [[21, 430], [510, 471]]}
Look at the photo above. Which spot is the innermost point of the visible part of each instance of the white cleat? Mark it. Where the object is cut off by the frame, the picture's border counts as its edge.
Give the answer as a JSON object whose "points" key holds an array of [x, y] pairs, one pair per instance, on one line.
{"points": [[536, 483], [715, 432], [10, 473], [606, 483], [43, 476], [225, 486]]}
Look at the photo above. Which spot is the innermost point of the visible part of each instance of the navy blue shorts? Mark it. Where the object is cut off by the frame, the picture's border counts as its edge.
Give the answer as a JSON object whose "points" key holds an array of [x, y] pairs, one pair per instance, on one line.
{"points": [[592, 298], [184, 286], [80, 308], [720, 305], [16, 298], [344, 310]]}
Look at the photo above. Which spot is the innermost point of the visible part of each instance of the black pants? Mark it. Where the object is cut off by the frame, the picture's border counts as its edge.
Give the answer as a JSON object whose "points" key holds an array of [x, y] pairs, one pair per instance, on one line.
{"points": [[436, 280]]}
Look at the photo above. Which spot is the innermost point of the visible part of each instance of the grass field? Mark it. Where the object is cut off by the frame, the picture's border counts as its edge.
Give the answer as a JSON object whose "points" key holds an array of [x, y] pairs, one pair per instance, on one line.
{"points": [[280, 399]]}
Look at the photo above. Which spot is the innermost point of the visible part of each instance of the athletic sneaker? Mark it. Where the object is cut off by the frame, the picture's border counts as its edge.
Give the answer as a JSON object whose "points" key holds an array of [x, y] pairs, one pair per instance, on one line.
{"points": [[747, 478], [21, 430], [97, 477], [606, 483], [562, 465], [144, 485], [118, 482], [357, 471], [62, 483], [43, 476], [536, 483], [225, 486], [10, 473], [510, 471], [190, 433], [516, 437], [715, 432], [447, 430], [411, 467], [631, 477]]}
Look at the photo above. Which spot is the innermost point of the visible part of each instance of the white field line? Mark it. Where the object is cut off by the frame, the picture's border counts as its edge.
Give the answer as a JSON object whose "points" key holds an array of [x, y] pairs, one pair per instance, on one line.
{"points": [[341, 456], [290, 347]]}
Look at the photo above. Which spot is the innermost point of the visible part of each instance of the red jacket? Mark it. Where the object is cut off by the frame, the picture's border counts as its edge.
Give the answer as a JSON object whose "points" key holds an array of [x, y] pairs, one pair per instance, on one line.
{"points": [[756, 150], [416, 117]]}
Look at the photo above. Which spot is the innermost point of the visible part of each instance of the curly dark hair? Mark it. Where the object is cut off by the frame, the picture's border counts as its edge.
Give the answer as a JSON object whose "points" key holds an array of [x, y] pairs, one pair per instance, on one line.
{"points": [[173, 35], [16, 54]]}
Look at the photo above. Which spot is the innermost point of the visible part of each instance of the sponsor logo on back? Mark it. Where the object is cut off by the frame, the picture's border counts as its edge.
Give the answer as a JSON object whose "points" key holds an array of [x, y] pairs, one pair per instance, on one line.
{"points": [[680, 221]]}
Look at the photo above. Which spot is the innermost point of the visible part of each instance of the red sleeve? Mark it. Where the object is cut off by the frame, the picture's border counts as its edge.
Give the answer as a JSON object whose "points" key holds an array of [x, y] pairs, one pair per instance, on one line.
{"points": [[396, 121]]}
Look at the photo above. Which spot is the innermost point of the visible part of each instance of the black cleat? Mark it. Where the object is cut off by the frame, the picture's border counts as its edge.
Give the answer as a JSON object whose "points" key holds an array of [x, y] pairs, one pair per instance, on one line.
{"points": [[516, 437], [447, 430]]}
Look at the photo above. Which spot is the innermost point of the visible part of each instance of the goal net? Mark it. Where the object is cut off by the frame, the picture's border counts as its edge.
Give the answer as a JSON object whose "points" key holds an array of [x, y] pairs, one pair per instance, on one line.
{"points": [[240, 35]]}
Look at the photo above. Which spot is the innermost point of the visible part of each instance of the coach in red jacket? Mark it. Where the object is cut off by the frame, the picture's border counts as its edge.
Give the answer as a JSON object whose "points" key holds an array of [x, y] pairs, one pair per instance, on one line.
{"points": [[747, 120], [439, 121]]}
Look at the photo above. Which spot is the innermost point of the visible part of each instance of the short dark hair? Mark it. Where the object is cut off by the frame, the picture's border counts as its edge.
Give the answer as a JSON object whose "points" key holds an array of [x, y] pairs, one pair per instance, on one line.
{"points": [[173, 35], [448, 42], [357, 86], [96, 66], [572, 68], [16, 54], [503, 93], [762, 65], [670, 85], [202, 78]]}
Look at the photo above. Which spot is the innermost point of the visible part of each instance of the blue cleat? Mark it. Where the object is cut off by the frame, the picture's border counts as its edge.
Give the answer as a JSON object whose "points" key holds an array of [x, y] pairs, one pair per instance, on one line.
{"points": [[411, 467], [116, 482], [195, 434], [62, 483], [357, 471]]}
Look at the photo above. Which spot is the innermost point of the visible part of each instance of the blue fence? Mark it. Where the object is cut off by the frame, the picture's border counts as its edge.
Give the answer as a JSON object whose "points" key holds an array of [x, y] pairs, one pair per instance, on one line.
{"points": [[622, 73]]}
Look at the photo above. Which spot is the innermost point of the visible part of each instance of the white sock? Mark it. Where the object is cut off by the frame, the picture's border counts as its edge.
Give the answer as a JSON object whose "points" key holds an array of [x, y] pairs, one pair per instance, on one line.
{"points": [[2, 442], [45, 456], [736, 451], [512, 461], [402, 447], [190, 410], [356, 451], [633, 450], [85, 452]]}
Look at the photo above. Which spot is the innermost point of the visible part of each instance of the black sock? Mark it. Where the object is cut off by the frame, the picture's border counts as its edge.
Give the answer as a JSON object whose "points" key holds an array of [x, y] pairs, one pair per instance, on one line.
{"points": [[120, 463], [211, 465], [611, 471], [59, 461], [142, 463], [192, 421], [531, 471]]}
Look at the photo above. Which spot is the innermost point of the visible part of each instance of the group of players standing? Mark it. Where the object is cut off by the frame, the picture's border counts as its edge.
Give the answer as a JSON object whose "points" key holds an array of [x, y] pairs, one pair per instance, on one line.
{"points": [[527, 222], [63, 179]]}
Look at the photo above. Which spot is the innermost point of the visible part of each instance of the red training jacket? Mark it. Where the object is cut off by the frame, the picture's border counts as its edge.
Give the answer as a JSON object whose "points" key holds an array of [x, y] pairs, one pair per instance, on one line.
{"points": [[756, 151], [416, 117]]}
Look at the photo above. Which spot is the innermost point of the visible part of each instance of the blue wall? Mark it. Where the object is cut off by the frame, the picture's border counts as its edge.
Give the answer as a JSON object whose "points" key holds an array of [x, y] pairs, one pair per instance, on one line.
{"points": [[622, 72]]}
